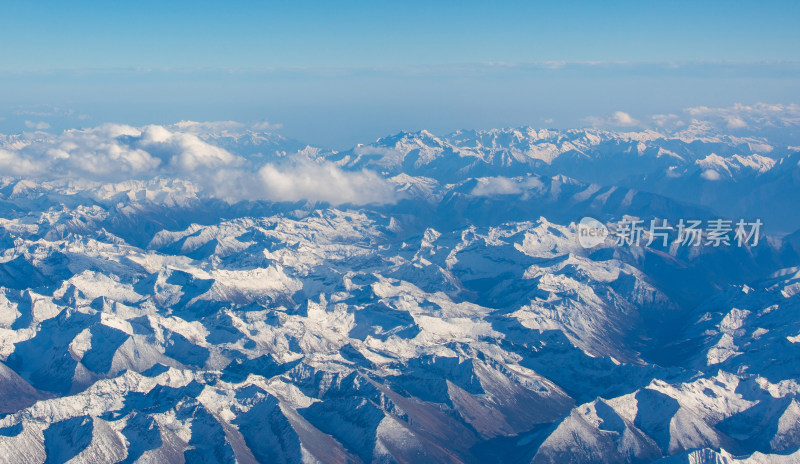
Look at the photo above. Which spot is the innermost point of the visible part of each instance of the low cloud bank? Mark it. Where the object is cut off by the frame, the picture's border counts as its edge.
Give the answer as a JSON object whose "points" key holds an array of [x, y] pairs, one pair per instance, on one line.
{"points": [[111, 152], [738, 117], [741, 116], [489, 186], [117, 153], [307, 180]]}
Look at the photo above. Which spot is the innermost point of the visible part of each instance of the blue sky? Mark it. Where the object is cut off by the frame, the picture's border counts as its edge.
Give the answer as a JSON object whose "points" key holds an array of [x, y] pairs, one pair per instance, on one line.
{"points": [[337, 73]]}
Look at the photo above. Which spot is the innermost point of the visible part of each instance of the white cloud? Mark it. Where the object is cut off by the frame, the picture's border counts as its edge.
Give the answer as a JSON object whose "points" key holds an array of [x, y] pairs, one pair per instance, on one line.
{"points": [[43, 111], [103, 153], [266, 126], [622, 118], [735, 122], [297, 179], [208, 127], [667, 121], [741, 116], [118, 153], [223, 127], [710, 174], [697, 119], [37, 125], [618, 119], [488, 186], [184, 152], [306, 180], [12, 163]]}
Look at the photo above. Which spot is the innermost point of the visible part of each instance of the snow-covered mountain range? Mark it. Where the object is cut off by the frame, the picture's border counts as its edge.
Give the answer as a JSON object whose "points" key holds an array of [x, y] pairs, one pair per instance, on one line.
{"points": [[216, 293]]}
